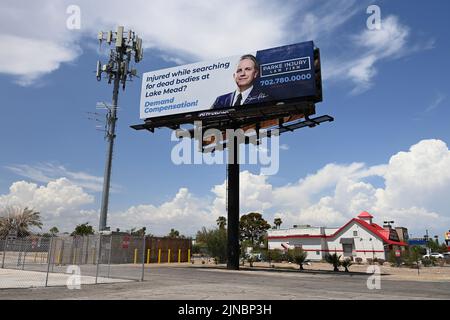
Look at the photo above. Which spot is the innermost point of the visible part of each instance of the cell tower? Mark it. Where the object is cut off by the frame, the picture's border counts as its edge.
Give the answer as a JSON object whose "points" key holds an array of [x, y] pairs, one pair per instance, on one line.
{"points": [[126, 46]]}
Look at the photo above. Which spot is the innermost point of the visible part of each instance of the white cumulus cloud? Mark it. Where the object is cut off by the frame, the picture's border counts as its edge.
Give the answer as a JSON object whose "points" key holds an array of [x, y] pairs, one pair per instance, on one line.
{"points": [[413, 193], [182, 31], [59, 202]]}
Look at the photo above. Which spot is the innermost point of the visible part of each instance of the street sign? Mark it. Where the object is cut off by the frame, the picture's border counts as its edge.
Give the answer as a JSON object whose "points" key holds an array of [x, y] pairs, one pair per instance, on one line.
{"points": [[397, 253]]}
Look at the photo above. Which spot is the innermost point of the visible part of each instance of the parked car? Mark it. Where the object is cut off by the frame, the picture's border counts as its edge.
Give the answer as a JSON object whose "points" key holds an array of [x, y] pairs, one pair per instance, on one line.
{"points": [[436, 255]]}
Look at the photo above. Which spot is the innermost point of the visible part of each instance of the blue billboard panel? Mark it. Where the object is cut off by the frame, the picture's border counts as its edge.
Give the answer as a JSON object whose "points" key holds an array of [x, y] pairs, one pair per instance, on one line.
{"points": [[417, 242], [288, 72]]}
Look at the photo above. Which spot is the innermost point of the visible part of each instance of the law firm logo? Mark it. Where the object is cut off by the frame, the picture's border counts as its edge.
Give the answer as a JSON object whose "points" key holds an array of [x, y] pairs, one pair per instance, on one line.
{"points": [[285, 67]]}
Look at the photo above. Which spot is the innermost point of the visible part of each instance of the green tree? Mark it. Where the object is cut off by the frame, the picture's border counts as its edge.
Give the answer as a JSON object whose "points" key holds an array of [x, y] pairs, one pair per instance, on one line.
{"points": [[83, 229], [434, 247], [413, 255], [333, 259], [138, 233], [174, 234], [253, 227], [214, 241], [19, 220], [221, 222], [202, 235], [277, 222], [54, 231]]}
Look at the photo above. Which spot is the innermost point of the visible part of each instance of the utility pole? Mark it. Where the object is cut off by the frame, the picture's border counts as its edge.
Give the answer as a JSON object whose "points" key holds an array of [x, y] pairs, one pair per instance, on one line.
{"points": [[117, 70]]}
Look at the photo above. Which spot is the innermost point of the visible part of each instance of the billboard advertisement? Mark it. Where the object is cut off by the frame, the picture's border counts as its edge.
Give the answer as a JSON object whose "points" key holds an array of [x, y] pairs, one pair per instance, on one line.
{"points": [[417, 242], [262, 77]]}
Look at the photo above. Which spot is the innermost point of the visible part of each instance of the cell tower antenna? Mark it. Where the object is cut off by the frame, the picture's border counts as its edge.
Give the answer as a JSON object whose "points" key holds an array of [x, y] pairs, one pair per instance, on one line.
{"points": [[125, 46]]}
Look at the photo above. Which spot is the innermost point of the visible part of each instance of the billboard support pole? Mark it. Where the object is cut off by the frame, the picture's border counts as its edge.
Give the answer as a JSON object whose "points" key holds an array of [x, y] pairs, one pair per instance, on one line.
{"points": [[233, 206]]}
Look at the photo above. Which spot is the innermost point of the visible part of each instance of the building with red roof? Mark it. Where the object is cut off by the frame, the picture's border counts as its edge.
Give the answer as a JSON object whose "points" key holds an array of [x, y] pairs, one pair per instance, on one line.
{"points": [[358, 238]]}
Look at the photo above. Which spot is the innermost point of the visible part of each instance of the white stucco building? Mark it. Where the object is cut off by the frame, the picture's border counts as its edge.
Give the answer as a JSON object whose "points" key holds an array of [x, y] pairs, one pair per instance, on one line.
{"points": [[360, 237]]}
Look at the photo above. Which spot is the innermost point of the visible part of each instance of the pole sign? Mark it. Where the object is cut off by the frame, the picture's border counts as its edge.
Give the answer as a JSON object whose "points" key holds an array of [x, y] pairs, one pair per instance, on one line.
{"points": [[264, 77], [397, 253]]}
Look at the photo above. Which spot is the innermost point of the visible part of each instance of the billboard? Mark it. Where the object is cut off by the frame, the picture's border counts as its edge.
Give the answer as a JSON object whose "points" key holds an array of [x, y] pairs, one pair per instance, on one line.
{"points": [[263, 77], [417, 242]]}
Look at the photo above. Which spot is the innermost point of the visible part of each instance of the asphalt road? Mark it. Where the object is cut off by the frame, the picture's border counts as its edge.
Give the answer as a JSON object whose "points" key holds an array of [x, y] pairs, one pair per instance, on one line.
{"points": [[206, 283]]}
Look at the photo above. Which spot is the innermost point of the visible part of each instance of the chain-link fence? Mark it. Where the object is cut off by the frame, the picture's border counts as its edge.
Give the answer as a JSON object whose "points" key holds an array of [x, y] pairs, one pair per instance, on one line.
{"points": [[73, 261]]}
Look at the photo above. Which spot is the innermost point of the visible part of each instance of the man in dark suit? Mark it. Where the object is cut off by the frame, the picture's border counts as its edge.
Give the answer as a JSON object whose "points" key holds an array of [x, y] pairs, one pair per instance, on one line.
{"points": [[246, 72]]}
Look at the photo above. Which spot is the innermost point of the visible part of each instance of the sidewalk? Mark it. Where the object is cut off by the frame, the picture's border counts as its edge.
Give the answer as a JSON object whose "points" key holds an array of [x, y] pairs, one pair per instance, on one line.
{"points": [[13, 279], [434, 274]]}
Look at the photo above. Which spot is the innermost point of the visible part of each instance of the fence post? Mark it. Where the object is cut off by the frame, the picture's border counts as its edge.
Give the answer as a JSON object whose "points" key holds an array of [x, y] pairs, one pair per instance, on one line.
{"points": [[19, 256], [143, 253], [109, 257], [54, 253], [49, 253], [98, 256], [61, 260], [24, 256], [4, 252]]}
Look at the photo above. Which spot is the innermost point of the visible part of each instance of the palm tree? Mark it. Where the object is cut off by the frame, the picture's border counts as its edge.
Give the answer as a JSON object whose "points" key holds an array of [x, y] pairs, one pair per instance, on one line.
{"points": [[20, 220], [221, 222], [346, 263], [277, 222], [298, 255], [333, 259]]}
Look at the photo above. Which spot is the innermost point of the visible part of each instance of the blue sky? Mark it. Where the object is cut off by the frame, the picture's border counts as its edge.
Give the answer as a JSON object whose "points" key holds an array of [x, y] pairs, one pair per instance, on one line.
{"points": [[387, 151]]}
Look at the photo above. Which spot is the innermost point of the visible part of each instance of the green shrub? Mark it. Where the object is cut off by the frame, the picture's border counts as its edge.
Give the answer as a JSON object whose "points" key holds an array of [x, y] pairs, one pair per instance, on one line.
{"points": [[346, 263], [298, 256], [276, 255], [393, 259], [333, 259]]}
